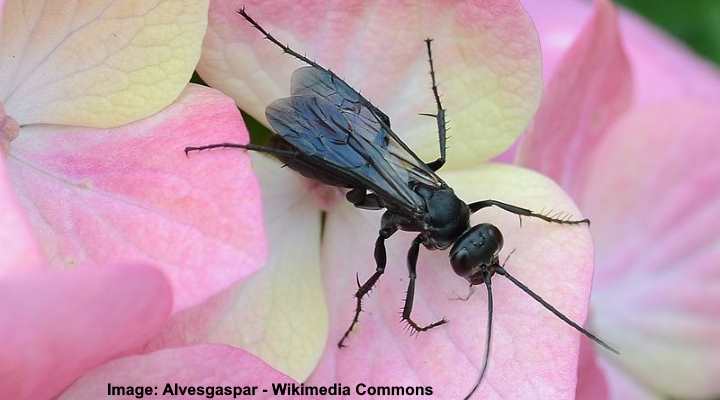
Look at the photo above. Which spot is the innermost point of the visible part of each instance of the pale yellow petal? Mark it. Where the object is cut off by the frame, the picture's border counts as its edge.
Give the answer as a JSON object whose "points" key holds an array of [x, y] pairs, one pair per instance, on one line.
{"points": [[97, 63]]}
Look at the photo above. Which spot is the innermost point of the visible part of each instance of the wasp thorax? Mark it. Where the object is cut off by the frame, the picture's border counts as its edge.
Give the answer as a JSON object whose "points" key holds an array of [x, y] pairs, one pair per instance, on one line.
{"points": [[447, 218], [476, 252]]}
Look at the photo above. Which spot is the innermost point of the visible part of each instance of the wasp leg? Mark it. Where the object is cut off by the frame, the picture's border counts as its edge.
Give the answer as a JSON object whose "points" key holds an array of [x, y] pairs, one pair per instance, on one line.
{"points": [[439, 117], [249, 146], [285, 48], [523, 212], [409, 297], [361, 199], [380, 261]]}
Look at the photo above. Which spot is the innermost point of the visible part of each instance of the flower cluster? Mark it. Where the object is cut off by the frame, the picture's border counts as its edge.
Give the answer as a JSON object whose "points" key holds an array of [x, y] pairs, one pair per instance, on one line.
{"points": [[123, 261]]}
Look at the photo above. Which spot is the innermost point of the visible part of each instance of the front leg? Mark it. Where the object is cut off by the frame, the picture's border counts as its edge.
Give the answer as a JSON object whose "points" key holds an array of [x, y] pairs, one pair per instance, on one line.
{"points": [[409, 297], [380, 261]]}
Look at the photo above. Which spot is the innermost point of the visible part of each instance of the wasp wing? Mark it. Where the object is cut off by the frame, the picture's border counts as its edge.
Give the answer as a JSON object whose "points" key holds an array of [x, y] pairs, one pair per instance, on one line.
{"points": [[320, 130], [311, 81], [364, 117]]}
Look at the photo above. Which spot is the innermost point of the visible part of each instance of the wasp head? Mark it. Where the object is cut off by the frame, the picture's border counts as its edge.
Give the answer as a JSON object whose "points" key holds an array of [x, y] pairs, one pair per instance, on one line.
{"points": [[474, 256]]}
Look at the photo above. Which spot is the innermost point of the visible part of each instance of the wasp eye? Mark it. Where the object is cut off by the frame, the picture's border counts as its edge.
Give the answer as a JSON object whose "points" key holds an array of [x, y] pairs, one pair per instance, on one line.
{"points": [[461, 263]]}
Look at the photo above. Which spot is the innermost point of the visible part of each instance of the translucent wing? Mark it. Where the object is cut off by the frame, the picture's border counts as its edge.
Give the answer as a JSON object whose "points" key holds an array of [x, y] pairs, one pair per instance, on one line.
{"points": [[310, 81], [365, 119], [319, 129]]}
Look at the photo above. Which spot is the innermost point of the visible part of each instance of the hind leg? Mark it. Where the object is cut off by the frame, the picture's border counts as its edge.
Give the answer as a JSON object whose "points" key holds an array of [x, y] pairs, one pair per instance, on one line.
{"points": [[439, 116]]}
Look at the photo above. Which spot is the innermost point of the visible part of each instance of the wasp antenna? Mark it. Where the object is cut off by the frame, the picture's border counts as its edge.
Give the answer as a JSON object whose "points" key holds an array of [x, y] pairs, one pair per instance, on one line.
{"points": [[488, 335], [502, 271]]}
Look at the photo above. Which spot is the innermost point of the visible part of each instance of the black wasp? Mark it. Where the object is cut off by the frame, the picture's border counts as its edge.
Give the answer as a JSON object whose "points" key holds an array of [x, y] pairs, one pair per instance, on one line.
{"points": [[329, 132]]}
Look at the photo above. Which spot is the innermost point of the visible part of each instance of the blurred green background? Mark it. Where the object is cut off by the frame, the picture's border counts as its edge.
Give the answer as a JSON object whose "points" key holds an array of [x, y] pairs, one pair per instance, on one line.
{"points": [[695, 22]]}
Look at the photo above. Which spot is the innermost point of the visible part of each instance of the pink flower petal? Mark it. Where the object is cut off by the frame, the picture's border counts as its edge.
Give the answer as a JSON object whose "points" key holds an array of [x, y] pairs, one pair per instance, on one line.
{"points": [[663, 68], [592, 383], [534, 355], [55, 325], [279, 313], [652, 193], [599, 379], [19, 248], [622, 386], [589, 90], [558, 23], [131, 194], [206, 366], [486, 55], [97, 63]]}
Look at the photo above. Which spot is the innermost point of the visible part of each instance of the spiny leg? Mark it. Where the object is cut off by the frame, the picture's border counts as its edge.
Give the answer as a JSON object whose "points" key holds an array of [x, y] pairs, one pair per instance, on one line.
{"points": [[439, 117], [285, 48], [380, 261], [523, 212], [249, 146], [410, 295]]}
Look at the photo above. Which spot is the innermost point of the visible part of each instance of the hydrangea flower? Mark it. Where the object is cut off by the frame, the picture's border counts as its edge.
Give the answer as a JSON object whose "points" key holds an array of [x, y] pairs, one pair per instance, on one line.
{"points": [[488, 63]]}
